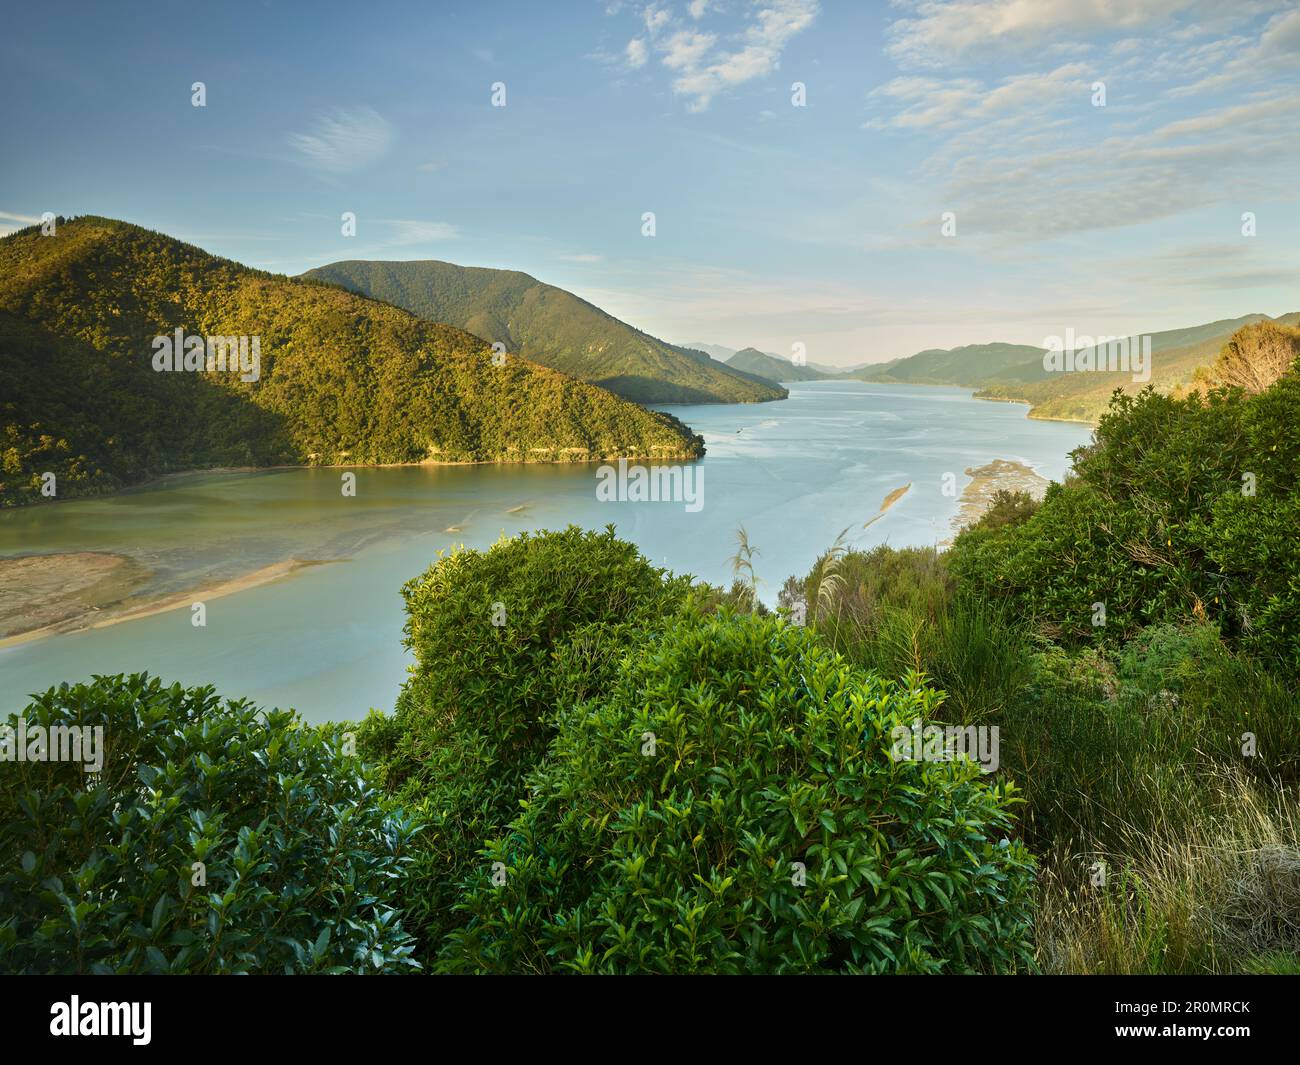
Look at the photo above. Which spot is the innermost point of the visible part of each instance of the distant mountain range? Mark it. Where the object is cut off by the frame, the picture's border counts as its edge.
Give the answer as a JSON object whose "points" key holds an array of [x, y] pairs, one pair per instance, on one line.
{"points": [[724, 354], [553, 327], [714, 351], [348, 379], [341, 378], [1015, 372], [1176, 355]]}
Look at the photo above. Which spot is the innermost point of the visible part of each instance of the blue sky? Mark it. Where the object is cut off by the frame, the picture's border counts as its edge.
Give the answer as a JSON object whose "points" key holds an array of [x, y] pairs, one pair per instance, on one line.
{"points": [[775, 224]]}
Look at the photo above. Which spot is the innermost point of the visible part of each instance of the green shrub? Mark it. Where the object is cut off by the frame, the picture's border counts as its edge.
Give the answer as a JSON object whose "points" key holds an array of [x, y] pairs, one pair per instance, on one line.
{"points": [[663, 832], [1007, 508], [1182, 510], [477, 713], [98, 875]]}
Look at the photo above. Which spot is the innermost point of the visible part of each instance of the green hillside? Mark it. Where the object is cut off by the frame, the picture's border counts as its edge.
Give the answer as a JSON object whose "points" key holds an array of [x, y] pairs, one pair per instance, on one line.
{"points": [[342, 379], [550, 326], [970, 366], [751, 360], [1015, 373], [1176, 355]]}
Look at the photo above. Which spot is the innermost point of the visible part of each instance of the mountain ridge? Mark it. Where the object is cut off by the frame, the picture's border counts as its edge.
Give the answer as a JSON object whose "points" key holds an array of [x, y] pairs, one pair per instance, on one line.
{"points": [[1015, 372], [550, 326], [751, 360]]}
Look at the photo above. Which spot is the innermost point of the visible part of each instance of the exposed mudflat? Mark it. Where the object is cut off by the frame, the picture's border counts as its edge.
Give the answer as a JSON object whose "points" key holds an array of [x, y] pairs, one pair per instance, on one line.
{"points": [[988, 480]]}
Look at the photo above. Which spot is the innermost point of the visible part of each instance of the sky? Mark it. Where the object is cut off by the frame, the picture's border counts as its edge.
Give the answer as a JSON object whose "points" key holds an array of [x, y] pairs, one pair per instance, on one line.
{"points": [[799, 157]]}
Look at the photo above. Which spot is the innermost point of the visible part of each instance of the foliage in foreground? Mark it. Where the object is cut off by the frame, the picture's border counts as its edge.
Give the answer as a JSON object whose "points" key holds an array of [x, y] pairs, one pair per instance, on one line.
{"points": [[502, 639], [731, 806], [98, 875], [1170, 761], [1218, 891], [1182, 509]]}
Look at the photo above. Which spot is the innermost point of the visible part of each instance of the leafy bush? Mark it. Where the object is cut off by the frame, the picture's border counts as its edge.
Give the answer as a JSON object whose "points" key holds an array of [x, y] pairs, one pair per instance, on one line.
{"points": [[668, 829], [98, 873], [1182, 510], [477, 713]]}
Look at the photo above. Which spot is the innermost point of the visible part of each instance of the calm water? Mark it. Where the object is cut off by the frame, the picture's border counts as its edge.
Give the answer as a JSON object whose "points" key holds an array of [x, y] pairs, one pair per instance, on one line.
{"points": [[327, 640]]}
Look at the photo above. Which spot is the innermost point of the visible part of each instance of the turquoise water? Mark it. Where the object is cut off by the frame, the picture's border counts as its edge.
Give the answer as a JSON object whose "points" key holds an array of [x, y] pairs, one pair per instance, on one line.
{"points": [[327, 639]]}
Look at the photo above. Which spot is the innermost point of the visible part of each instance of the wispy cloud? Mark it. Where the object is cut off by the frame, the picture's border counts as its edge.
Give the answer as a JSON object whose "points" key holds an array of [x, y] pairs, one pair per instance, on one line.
{"points": [[1275, 53], [344, 140], [938, 32], [11, 223], [707, 62], [1024, 154], [924, 102], [413, 231]]}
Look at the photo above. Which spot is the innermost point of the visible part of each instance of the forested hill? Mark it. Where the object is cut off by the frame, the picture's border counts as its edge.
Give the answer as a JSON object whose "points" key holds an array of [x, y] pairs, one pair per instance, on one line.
{"points": [[970, 365], [342, 379], [552, 327], [773, 368]]}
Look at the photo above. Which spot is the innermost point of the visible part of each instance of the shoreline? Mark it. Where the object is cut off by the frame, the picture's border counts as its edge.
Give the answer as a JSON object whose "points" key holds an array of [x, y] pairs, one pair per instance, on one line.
{"points": [[975, 394], [164, 478], [89, 617], [986, 481]]}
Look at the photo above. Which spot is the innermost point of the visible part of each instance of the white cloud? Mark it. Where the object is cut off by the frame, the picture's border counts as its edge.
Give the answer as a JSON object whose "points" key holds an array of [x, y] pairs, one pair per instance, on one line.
{"points": [[1025, 156], [344, 140], [582, 257], [411, 231], [926, 102], [703, 73], [685, 49], [939, 32], [636, 53], [22, 222], [1275, 54], [656, 18]]}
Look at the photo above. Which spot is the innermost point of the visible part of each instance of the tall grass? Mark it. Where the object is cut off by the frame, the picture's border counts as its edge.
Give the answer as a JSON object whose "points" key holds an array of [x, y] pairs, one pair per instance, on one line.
{"points": [[1215, 893], [1171, 760]]}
